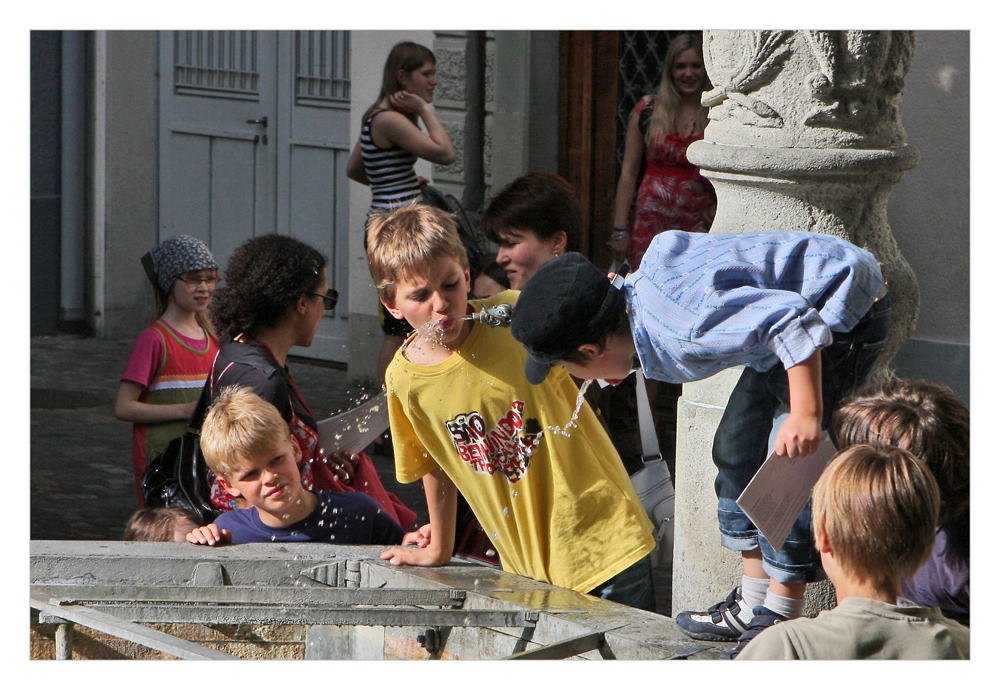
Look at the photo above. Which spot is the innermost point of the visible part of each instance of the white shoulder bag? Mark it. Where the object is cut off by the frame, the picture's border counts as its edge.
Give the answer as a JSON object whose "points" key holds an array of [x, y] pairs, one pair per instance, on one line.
{"points": [[653, 483]]}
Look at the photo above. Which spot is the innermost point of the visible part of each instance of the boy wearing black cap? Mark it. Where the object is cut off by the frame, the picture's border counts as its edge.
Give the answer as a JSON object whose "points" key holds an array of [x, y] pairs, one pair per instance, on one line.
{"points": [[535, 465], [805, 313]]}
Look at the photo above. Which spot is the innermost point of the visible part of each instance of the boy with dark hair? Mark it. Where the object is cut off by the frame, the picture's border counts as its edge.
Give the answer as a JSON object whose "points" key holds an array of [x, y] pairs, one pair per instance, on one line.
{"points": [[875, 513], [536, 218], [931, 422], [542, 476], [248, 445], [806, 313]]}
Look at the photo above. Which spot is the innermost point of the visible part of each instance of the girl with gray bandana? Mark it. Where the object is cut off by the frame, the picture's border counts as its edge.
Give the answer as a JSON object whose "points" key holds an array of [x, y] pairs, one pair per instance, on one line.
{"points": [[171, 359]]}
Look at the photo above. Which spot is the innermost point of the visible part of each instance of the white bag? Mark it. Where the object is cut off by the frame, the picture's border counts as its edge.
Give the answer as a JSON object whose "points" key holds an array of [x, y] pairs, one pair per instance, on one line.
{"points": [[653, 483]]}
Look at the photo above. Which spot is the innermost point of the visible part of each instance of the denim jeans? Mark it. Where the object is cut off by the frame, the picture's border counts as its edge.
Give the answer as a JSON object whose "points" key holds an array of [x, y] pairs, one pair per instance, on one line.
{"points": [[632, 586], [745, 437]]}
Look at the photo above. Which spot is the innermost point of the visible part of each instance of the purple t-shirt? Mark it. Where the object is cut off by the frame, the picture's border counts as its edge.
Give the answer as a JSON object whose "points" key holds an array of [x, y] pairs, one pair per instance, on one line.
{"points": [[349, 517], [944, 579]]}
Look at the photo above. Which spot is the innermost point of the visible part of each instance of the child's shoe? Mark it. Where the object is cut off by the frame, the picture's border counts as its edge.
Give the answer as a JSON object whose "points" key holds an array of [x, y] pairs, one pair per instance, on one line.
{"points": [[723, 622], [763, 618]]}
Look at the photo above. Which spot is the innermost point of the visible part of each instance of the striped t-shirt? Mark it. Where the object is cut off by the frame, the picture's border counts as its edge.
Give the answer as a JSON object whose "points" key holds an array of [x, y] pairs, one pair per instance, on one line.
{"points": [[390, 172], [700, 303]]}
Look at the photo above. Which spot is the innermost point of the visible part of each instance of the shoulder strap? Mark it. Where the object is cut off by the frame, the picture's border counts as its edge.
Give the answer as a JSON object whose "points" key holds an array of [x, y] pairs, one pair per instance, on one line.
{"points": [[205, 400], [650, 446]]}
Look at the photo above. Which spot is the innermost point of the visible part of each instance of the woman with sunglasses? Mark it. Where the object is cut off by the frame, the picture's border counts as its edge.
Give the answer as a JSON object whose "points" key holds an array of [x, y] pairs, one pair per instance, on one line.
{"points": [[171, 358], [275, 294]]}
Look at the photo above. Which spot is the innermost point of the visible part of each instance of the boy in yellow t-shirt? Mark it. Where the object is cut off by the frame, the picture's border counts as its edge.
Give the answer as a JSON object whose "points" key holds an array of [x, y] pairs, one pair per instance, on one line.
{"points": [[536, 466]]}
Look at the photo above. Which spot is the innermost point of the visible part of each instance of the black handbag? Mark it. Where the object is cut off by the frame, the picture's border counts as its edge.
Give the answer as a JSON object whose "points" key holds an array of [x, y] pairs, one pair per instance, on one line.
{"points": [[179, 476], [471, 237]]}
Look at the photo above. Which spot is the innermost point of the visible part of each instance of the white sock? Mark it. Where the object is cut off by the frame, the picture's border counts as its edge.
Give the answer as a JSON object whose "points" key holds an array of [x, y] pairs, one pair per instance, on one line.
{"points": [[753, 590], [784, 606]]}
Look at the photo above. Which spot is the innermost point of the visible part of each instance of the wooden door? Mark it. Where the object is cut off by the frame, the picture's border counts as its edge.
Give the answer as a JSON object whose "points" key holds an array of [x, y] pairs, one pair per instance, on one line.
{"points": [[588, 76], [603, 74]]}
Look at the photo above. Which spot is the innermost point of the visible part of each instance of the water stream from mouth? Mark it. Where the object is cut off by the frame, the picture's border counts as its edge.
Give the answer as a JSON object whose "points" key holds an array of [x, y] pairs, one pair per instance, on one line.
{"points": [[431, 334], [576, 413]]}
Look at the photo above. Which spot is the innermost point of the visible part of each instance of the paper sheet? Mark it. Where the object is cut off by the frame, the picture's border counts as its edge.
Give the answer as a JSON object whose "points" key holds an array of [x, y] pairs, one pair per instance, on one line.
{"points": [[780, 490], [355, 429]]}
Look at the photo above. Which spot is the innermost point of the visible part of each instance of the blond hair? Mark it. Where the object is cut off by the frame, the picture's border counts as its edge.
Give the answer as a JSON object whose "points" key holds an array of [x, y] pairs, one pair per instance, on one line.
{"points": [[879, 510], [240, 425], [404, 243], [667, 102]]}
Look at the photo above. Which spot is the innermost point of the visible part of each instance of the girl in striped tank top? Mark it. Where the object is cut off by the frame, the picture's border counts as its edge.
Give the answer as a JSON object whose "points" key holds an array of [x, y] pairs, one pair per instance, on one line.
{"points": [[171, 359], [391, 141]]}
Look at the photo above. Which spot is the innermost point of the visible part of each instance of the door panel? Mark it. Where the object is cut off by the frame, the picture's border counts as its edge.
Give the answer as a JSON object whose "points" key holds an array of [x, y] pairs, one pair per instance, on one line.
{"points": [[234, 193], [313, 142], [254, 139], [216, 167], [188, 178]]}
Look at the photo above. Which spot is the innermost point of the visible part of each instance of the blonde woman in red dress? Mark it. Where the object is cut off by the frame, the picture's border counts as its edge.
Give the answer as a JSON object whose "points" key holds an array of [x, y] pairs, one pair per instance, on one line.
{"points": [[673, 194]]}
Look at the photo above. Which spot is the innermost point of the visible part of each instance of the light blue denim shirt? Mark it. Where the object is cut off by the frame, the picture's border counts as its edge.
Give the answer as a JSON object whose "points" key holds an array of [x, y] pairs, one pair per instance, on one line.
{"points": [[701, 303]]}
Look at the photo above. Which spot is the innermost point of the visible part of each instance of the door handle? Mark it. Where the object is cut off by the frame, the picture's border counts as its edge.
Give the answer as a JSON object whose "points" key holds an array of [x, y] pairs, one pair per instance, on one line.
{"points": [[262, 122]]}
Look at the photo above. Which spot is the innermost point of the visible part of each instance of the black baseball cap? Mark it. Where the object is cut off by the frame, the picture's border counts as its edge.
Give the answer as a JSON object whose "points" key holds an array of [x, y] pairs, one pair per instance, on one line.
{"points": [[562, 306]]}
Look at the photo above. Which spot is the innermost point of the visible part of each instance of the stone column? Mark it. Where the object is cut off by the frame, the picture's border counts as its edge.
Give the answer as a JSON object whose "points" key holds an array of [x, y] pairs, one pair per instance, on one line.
{"points": [[805, 134]]}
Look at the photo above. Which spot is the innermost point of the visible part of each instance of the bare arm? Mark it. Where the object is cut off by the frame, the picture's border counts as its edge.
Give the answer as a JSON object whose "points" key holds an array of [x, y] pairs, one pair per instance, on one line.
{"points": [[129, 409], [635, 149], [442, 502], [800, 433], [356, 166], [434, 146]]}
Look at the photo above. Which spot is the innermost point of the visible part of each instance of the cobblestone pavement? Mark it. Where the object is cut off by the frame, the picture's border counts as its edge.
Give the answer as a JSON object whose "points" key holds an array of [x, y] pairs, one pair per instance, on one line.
{"points": [[81, 470]]}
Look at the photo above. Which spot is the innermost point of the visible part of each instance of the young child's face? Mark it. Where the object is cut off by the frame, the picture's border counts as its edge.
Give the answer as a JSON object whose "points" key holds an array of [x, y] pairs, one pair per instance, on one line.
{"points": [[270, 481], [439, 298], [521, 252], [181, 528], [193, 290], [612, 363]]}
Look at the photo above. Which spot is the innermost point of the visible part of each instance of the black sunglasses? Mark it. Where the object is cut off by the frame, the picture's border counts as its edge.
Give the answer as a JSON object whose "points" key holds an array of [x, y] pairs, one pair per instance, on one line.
{"points": [[329, 299]]}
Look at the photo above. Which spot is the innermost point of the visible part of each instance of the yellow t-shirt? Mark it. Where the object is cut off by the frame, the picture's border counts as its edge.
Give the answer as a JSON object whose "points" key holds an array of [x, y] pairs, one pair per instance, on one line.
{"points": [[558, 508]]}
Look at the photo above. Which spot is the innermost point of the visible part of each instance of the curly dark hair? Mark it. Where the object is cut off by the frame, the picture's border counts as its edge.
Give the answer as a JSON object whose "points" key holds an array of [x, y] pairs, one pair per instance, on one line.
{"points": [[264, 276]]}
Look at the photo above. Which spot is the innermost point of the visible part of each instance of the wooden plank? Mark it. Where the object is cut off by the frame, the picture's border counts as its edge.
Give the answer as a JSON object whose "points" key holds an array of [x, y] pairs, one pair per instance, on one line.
{"points": [[127, 630]]}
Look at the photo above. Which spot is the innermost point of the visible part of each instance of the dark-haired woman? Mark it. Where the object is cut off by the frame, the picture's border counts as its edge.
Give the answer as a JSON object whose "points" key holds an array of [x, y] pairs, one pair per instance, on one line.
{"points": [[274, 294], [390, 144]]}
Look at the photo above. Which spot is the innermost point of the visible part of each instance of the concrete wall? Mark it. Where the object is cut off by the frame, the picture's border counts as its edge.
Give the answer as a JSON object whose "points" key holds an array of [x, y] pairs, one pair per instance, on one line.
{"points": [[523, 102], [44, 181], [122, 218], [929, 209]]}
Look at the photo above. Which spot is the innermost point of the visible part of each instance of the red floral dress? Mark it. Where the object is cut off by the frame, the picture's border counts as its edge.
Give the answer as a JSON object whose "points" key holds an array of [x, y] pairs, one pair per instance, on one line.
{"points": [[673, 195]]}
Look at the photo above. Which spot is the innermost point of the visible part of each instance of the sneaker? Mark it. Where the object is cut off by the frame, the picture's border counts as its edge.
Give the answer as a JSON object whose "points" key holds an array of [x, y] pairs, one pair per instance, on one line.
{"points": [[724, 622], [763, 618]]}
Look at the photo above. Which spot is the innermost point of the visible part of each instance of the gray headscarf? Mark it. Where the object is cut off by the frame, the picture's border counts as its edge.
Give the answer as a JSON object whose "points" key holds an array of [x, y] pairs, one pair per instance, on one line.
{"points": [[173, 257]]}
